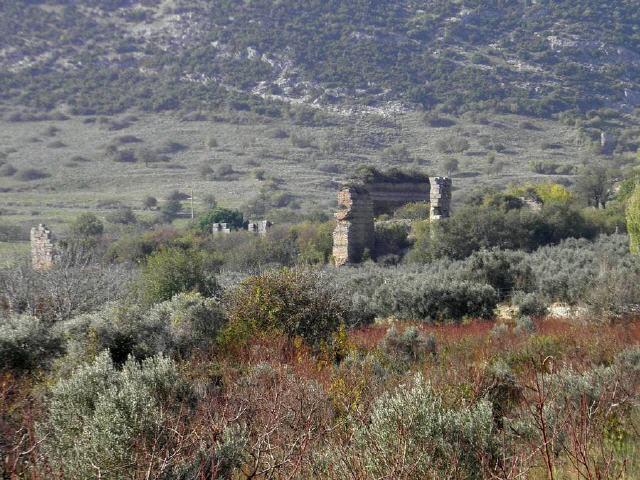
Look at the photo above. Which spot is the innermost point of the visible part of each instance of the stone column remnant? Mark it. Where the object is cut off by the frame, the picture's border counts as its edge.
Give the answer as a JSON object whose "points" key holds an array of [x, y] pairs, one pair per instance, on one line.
{"points": [[261, 227], [354, 232], [264, 226], [440, 198], [42, 248]]}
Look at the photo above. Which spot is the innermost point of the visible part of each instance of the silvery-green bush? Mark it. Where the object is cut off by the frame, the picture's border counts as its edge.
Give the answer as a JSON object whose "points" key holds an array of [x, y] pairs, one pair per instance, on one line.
{"points": [[529, 304], [26, 342], [563, 272], [409, 345], [499, 331], [421, 299], [411, 433], [175, 327], [524, 325], [96, 414]]}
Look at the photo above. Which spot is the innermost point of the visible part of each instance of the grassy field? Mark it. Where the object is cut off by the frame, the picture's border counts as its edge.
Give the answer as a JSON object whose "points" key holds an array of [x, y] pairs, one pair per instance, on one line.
{"points": [[77, 155]]}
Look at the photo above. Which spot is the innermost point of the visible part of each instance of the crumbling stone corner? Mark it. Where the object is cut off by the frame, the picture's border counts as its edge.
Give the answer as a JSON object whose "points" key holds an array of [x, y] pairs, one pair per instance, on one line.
{"points": [[440, 198], [354, 232], [42, 248]]}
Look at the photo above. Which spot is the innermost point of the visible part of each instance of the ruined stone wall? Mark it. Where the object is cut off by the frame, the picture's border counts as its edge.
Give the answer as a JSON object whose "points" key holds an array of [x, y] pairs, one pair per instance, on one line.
{"points": [[354, 232], [440, 198], [42, 248], [387, 197]]}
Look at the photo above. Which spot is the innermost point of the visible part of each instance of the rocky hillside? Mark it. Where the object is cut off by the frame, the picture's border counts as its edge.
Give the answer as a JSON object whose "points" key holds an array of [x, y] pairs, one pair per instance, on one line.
{"points": [[533, 57]]}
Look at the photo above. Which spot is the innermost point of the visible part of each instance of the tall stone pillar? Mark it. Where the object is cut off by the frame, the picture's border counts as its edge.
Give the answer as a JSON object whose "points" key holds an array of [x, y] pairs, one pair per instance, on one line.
{"points": [[42, 248], [354, 232], [440, 198]]}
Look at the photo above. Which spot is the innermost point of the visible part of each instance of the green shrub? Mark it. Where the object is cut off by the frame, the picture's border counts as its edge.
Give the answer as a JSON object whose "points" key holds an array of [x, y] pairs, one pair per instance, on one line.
{"points": [[170, 210], [87, 225], [524, 325], [413, 211], [633, 221], [499, 331], [98, 412], [391, 239], [171, 271], [530, 304], [7, 170], [149, 202], [473, 228], [123, 216], [314, 242], [294, 302], [503, 270], [221, 461], [30, 174], [26, 342], [433, 300]]}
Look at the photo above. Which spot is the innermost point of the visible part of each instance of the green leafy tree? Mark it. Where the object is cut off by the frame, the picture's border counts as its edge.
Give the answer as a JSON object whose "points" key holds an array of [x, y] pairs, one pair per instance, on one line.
{"points": [[150, 202], [170, 209], [592, 185], [633, 221], [450, 166], [123, 215], [233, 218], [87, 225]]}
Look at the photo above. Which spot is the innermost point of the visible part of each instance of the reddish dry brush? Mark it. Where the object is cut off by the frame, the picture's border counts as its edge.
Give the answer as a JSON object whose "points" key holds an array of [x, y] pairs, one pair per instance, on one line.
{"points": [[286, 401], [19, 443]]}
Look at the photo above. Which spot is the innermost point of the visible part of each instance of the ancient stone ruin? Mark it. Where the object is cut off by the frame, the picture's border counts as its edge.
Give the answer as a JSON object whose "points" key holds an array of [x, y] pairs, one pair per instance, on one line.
{"points": [[354, 232], [220, 228], [440, 198], [42, 248], [260, 227], [393, 189], [359, 203]]}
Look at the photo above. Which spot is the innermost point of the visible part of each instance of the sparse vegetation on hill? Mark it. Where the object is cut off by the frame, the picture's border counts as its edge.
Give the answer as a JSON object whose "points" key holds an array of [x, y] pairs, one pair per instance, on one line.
{"points": [[534, 58]]}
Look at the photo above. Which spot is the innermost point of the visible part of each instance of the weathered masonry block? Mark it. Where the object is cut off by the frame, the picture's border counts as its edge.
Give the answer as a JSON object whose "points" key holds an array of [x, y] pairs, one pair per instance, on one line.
{"points": [[220, 228], [440, 198], [354, 232], [260, 227], [42, 248], [393, 189]]}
